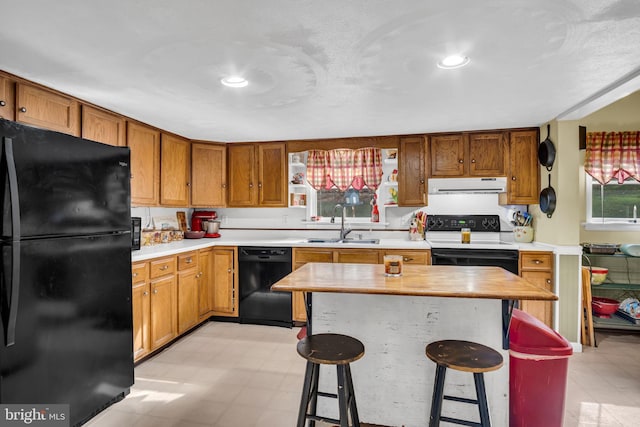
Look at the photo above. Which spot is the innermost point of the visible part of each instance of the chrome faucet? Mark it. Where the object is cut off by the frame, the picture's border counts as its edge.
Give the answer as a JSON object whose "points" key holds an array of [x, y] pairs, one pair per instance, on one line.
{"points": [[343, 231]]}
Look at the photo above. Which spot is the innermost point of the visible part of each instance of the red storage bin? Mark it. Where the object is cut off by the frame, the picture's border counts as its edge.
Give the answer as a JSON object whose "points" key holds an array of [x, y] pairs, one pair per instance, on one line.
{"points": [[538, 359]]}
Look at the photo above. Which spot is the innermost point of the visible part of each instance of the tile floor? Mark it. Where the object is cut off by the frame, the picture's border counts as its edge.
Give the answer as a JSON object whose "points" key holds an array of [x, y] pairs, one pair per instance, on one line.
{"points": [[232, 375]]}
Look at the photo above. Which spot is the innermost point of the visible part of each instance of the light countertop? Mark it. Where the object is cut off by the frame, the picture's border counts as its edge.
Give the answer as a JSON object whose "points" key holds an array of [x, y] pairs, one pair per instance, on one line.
{"points": [[295, 238], [416, 280]]}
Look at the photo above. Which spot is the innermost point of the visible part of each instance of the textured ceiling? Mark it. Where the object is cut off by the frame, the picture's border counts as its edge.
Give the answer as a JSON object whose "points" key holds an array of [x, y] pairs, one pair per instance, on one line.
{"points": [[327, 68]]}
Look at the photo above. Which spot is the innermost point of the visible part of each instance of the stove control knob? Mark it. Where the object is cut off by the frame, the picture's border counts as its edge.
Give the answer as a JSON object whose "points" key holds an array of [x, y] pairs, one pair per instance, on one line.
{"points": [[485, 223], [440, 223], [431, 223]]}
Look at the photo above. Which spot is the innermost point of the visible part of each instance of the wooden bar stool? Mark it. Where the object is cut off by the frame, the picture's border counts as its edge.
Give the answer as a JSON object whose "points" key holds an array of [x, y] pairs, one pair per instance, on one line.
{"points": [[329, 349], [463, 356]]}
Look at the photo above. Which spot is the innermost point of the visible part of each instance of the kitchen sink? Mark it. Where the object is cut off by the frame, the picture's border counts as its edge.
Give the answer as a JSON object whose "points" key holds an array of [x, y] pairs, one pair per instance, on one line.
{"points": [[320, 240], [362, 241]]}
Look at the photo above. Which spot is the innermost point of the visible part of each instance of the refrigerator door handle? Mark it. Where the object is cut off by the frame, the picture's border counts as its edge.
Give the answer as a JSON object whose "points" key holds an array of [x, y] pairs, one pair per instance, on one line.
{"points": [[13, 189], [10, 318]]}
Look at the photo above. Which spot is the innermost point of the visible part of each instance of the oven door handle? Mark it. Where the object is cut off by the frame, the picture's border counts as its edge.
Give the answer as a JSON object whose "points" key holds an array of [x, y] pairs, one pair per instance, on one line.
{"points": [[475, 256]]}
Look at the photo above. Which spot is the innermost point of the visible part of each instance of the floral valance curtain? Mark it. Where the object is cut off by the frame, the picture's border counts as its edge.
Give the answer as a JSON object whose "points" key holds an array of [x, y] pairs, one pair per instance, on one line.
{"points": [[612, 155], [344, 167]]}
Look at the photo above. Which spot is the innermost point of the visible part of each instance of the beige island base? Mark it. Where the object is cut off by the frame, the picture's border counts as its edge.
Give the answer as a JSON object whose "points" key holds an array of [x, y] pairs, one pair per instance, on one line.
{"points": [[396, 317]]}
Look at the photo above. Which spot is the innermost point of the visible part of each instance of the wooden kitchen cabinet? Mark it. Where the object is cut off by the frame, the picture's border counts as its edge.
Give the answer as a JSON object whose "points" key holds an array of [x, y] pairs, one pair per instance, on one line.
{"points": [[103, 126], [224, 298], [272, 175], [447, 155], [356, 256], [412, 161], [144, 143], [421, 257], [523, 177], [301, 256], [537, 268], [175, 171], [7, 98], [164, 301], [257, 175], [205, 284], [188, 304], [468, 155], [487, 154], [208, 175], [141, 307], [46, 109]]}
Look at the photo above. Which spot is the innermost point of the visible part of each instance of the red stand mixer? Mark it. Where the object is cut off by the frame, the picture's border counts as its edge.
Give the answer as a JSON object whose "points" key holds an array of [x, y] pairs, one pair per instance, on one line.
{"points": [[205, 221]]}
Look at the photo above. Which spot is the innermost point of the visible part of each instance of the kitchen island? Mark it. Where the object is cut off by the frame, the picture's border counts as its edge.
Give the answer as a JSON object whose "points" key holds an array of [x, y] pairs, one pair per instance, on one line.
{"points": [[396, 317]]}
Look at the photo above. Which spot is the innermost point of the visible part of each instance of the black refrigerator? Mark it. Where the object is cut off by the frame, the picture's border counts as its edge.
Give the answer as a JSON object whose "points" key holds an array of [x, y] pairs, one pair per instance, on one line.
{"points": [[65, 284]]}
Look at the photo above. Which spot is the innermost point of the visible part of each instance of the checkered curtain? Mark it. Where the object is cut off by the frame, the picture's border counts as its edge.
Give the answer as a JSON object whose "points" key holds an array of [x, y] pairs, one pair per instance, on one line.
{"points": [[344, 168], [317, 168], [367, 168], [612, 155]]}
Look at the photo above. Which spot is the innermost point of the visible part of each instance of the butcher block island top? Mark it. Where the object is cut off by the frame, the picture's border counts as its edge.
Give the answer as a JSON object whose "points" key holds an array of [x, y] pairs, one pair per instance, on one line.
{"points": [[416, 280]]}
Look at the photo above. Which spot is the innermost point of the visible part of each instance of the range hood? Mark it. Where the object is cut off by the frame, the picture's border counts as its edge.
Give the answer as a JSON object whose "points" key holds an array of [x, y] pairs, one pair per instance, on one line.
{"points": [[467, 185]]}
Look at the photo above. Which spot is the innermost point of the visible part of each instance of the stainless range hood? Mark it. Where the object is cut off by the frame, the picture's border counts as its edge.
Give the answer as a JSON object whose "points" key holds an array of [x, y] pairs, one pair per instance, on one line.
{"points": [[467, 185]]}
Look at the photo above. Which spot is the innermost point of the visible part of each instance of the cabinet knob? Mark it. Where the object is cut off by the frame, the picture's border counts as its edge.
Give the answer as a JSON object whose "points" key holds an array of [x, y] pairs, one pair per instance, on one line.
{"points": [[537, 261], [145, 293], [134, 275], [421, 180], [251, 185], [23, 110], [2, 103], [155, 291], [228, 270], [407, 259], [513, 178], [224, 185], [189, 260], [259, 185], [473, 160], [460, 161], [188, 184], [548, 281], [164, 267]]}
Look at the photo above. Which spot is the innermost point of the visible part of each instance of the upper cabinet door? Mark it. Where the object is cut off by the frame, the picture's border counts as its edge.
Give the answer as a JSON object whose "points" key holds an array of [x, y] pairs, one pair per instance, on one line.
{"points": [[487, 154], [447, 155], [39, 107], [523, 182], [272, 174], [102, 126], [175, 157], [208, 175], [412, 161], [7, 98], [242, 175], [144, 143]]}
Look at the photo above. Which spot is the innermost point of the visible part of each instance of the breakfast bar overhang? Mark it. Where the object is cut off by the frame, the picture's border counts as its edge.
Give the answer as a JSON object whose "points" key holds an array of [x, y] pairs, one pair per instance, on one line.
{"points": [[396, 317]]}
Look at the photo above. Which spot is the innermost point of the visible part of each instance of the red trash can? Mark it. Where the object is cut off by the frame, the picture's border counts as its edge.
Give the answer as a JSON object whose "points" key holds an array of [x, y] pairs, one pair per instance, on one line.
{"points": [[538, 359]]}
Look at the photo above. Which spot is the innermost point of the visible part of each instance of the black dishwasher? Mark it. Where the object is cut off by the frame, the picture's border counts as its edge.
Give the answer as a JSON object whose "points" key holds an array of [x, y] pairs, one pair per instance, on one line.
{"points": [[259, 269]]}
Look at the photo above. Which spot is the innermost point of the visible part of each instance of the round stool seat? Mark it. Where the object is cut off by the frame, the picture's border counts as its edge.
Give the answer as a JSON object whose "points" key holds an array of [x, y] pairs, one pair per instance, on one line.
{"points": [[330, 349], [464, 356]]}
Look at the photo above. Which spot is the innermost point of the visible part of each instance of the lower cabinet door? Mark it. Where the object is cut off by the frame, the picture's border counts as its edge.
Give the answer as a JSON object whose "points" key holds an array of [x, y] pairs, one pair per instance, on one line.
{"points": [[140, 302], [187, 300], [164, 311]]}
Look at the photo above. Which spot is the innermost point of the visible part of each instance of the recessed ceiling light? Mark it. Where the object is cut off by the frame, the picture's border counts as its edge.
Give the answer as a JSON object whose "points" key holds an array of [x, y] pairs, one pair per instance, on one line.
{"points": [[453, 61], [234, 81]]}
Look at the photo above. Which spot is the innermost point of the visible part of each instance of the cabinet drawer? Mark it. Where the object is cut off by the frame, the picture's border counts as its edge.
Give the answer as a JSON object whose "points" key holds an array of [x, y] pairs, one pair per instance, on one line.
{"points": [[162, 266], [139, 272], [536, 261], [303, 256], [410, 257], [187, 260]]}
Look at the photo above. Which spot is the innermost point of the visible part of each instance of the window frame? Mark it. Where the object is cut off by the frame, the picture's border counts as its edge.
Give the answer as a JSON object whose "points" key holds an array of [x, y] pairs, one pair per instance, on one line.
{"points": [[604, 223]]}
